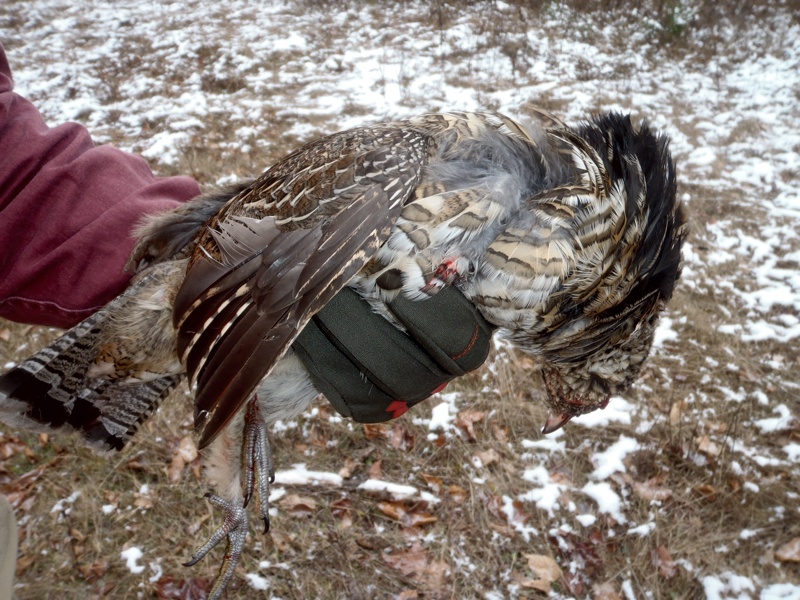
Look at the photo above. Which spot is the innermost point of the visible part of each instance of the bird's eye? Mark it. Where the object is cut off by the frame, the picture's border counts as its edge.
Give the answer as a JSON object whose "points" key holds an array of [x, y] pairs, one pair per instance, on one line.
{"points": [[472, 267]]}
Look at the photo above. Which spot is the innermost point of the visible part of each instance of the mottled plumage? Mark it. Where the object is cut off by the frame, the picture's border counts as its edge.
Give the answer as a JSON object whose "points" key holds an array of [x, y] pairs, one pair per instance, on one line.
{"points": [[566, 238]]}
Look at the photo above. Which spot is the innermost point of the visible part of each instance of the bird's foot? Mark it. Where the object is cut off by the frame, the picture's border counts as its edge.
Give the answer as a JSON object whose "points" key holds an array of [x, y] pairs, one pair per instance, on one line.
{"points": [[258, 468], [258, 474], [448, 272], [234, 527]]}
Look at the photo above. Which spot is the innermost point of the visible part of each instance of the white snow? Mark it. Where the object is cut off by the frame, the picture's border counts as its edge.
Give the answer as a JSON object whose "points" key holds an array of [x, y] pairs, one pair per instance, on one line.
{"points": [[299, 475], [131, 556]]}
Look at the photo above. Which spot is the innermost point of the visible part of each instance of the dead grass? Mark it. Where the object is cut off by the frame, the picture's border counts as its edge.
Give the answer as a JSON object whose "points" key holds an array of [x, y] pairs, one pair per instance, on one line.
{"points": [[345, 545]]}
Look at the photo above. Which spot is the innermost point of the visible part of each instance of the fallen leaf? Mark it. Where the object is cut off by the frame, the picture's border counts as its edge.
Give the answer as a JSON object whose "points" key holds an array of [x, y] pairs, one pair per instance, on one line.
{"points": [[408, 562], [349, 467], [651, 490], [342, 509], [434, 483], [504, 530], [675, 412], [375, 430], [298, 506], [407, 595], [412, 515], [24, 562], [789, 552], [94, 571], [707, 446], [536, 584], [375, 470], [5, 334], [393, 510], [420, 518], [545, 569], [605, 591], [458, 494], [663, 562], [416, 563], [466, 420], [488, 457], [401, 438], [706, 491], [170, 588]]}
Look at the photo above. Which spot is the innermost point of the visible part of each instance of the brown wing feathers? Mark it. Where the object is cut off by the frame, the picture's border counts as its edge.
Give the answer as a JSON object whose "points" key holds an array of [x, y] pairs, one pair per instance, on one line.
{"points": [[279, 252]]}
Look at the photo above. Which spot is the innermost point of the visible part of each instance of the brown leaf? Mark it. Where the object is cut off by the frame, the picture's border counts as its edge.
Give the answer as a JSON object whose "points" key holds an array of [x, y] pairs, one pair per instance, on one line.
{"points": [[5, 334], [415, 562], [662, 560], [544, 567], [94, 571], [401, 438], [24, 562], [504, 530], [652, 490], [407, 595], [142, 501], [545, 570], [708, 446], [408, 562], [458, 494], [375, 470], [346, 472], [488, 457], [342, 509], [434, 483], [466, 420], [789, 552], [170, 588], [183, 454], [675, 413], [298, 506], [393, 510], [375, 430], [419, 518], [704, 490], [281, 541], [605, 591]]}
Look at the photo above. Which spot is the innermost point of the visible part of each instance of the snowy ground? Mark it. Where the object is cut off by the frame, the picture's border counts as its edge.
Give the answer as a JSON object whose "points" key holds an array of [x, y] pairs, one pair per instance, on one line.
{"points": [[218, 91]]}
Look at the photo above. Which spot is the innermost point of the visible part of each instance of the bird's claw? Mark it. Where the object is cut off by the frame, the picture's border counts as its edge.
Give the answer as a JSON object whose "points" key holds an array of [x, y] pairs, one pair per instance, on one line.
{"points": [[258, 474], [234, 527], [258, 461]]}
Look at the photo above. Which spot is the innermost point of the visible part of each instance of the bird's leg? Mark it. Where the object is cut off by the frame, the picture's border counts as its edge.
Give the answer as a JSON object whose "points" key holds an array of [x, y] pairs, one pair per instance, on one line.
{"points": [[258, 461], [258, 474], [449, 271], [234, 527]]}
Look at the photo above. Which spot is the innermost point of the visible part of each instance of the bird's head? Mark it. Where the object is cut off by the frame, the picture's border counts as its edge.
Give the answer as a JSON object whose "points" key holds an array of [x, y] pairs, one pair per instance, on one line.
{"points": [[581, 386], [602, 321]]}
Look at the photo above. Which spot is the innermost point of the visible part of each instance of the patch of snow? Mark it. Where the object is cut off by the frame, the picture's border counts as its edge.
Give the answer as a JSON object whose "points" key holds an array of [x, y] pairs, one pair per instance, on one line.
{"points": [[608, 501], [610, 461], [299, 475], [131, 556]]}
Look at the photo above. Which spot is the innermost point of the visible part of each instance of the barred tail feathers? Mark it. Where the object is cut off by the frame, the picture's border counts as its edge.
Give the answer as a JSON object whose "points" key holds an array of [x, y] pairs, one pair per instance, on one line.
{"points": [[51, 391]]}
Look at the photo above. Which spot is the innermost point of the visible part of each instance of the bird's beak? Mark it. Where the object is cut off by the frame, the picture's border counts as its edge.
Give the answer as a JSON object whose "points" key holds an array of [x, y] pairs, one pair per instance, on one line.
{"points": [[555, 422]]}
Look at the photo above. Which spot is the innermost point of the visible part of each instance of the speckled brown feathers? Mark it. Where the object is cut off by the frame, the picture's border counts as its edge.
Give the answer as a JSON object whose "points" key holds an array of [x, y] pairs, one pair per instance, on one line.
{"points": [[280, 250]]}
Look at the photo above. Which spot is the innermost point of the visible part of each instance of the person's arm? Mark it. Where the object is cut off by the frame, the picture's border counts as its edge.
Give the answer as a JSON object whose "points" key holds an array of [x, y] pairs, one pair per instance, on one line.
{"points": [[67, 212]]}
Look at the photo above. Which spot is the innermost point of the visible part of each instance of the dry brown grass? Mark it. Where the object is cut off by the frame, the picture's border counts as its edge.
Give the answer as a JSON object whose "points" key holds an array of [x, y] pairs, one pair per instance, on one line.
{"points": [[346, 545]]}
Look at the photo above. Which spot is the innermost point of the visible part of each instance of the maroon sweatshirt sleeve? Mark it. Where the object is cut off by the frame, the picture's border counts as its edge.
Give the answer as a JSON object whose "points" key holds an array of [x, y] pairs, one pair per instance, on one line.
{"points": [[67, 210]]}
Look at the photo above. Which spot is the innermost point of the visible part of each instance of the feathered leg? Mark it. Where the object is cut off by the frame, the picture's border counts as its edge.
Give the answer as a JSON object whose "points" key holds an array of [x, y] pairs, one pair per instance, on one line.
{"points": [[258, 461], [258, 472]]}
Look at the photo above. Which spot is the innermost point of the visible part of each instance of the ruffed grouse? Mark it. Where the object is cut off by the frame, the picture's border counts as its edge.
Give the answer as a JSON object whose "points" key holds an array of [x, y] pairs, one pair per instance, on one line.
{"points": [[566, 238]]}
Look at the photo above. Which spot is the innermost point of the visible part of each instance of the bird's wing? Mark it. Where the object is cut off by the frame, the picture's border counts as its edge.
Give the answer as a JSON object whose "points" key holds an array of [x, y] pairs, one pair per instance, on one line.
{"points": [[280, 250]]}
